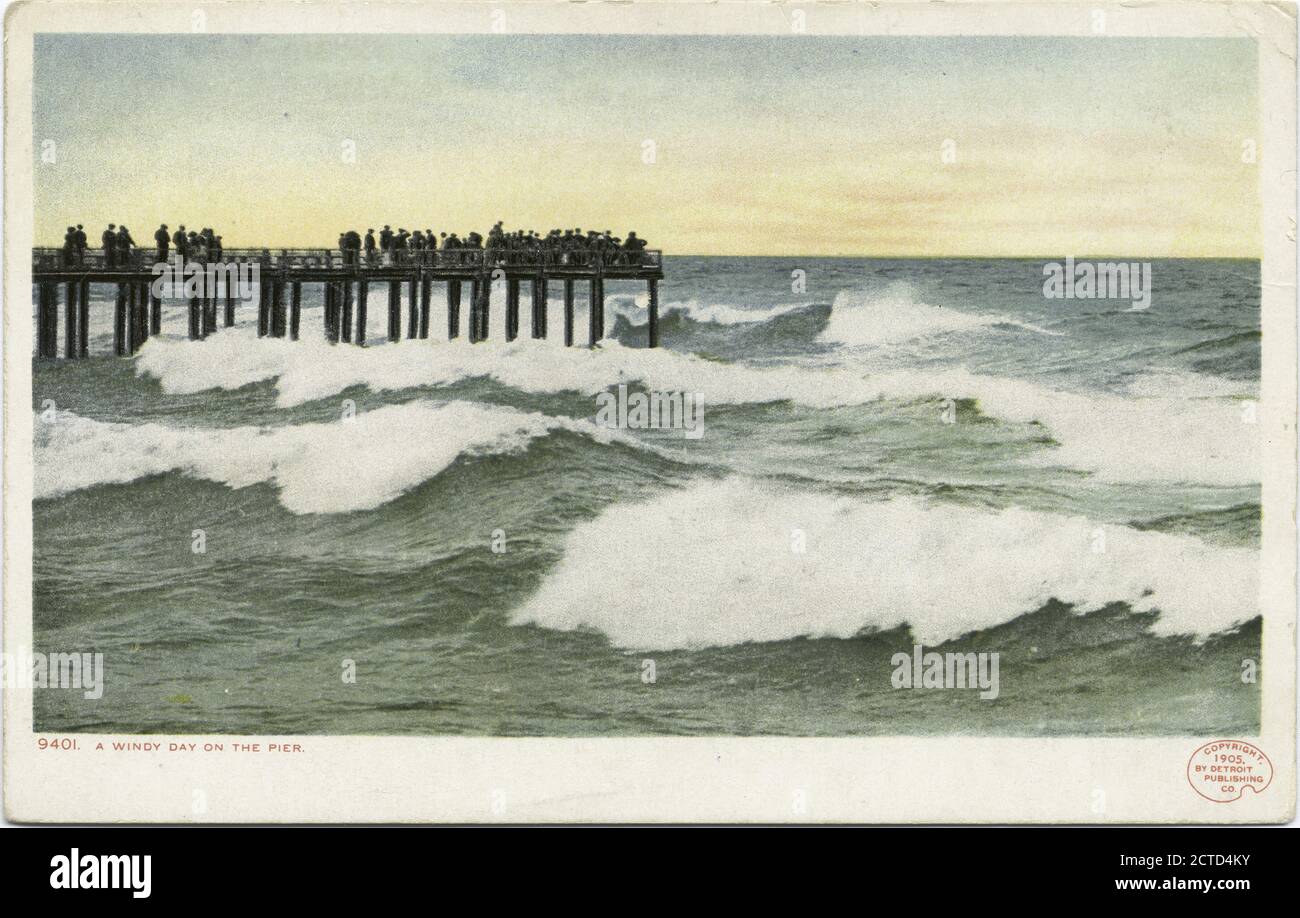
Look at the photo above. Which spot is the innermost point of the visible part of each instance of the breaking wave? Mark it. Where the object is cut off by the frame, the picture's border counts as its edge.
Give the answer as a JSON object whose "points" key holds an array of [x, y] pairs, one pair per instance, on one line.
{"points": [[717, 564], [347, 465]]}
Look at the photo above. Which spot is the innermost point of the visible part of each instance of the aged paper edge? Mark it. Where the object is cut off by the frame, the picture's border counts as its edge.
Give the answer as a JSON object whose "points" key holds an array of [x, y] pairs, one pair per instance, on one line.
{"points": [[722, 779]]}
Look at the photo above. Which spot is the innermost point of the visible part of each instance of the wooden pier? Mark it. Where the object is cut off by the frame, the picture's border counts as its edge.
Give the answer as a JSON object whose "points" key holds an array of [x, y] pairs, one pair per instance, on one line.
{"points": [[346, 284]]}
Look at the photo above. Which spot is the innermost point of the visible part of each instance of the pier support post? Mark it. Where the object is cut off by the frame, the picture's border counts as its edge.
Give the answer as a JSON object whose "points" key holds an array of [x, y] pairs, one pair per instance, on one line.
{"points": [[484, 306], [229, 317], [540, 295], [413, 306], [83, 320], [47, 320], [146, 297], [277, 309], [263, 307], [347, 311], [568, 312], [332, 311], [453, 309], [209, 315], [596, 312], [512, 308], [119, 322], [295, 310], [139, 315], [363, 294], [196, 318], [70, 334], [474, 297], [652, 288], [394, 310], [155, 312], [132, 331], [426, 291]]}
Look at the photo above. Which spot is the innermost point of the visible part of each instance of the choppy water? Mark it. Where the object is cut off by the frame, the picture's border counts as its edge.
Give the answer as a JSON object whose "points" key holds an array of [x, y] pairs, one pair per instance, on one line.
{"points": [[1091, 513]]}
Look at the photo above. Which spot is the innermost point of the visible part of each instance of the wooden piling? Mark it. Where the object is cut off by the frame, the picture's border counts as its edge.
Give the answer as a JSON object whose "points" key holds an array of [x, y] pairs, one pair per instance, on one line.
{"points": [[134, 318], [209, 315], [363, 294], [426, 291], [295, 310], [333, 311], [595, 321], [139, 315], [485, 306], [453, 309], [263, 307], [146, 295], [512, 308], [540, 295], [652, 288], [413, 306], [196, 318], [347, 311], [568, 312], [119, 322], [47, 320], [474, 300], [83, 320], [394, 310], [278, 323], [70, 334], [155, 312], [131, 330], [230, 304]]}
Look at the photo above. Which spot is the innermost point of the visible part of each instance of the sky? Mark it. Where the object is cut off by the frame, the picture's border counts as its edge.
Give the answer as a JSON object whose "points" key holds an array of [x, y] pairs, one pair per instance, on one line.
{"points": [[781, 145]]}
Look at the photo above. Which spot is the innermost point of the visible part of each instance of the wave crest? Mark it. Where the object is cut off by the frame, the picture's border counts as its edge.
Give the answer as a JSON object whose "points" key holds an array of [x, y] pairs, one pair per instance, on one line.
{"points": [[715, 565]]}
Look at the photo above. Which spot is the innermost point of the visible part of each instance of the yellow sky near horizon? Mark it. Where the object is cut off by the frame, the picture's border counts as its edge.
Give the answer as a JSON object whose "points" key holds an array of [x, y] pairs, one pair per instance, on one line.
{"points": [[761, 146]]}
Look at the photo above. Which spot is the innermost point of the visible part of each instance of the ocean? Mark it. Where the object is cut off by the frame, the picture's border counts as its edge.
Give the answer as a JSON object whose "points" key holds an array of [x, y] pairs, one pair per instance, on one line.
{"points": [[432, 537]]}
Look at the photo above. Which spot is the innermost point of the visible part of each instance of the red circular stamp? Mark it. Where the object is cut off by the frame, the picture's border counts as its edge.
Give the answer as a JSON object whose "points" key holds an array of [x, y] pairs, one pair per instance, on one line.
{"points": [[1223, 770]]}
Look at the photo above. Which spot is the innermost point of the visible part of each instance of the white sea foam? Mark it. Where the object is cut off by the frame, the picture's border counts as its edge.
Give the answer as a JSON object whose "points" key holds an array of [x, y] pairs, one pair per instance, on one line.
{"points": [[713, 565], [894, 315], [1115, 437], [337, 467], [634, 308]]}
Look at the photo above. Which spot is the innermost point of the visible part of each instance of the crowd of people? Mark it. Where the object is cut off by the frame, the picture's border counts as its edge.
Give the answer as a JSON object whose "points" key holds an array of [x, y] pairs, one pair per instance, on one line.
{"points": [[561, 247], [568, 246], [204, 245]]}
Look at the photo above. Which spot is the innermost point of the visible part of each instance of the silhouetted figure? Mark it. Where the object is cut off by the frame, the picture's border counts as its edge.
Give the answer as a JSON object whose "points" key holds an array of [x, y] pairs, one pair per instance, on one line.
{"points": [[109, 241], [182, 242], [163, 240]]}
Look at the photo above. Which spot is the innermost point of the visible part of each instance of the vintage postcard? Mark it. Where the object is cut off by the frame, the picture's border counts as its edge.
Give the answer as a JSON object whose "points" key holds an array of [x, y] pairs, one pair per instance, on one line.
{"points": [[653, 411]]}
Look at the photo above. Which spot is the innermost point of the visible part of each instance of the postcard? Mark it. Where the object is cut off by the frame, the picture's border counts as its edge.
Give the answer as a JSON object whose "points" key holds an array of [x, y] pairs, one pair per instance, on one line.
{"points": [[650, 412]]}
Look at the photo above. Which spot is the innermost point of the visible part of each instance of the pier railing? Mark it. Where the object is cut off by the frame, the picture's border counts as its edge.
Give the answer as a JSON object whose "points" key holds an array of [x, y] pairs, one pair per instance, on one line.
{"points": [[51, 258]]}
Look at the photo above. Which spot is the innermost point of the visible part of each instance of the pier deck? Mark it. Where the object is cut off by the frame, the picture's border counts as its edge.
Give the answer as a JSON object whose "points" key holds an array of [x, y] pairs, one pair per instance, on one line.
{"points": [[346, 283]]}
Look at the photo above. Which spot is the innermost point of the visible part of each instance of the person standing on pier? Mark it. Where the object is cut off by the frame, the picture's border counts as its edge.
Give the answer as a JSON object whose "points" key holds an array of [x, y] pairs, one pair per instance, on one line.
{"points": [[81, 244], [124, 245], [182, 243], [69, 246], [352, 248], [163, 239], [109, 241], [370, 246]]}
